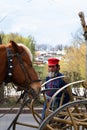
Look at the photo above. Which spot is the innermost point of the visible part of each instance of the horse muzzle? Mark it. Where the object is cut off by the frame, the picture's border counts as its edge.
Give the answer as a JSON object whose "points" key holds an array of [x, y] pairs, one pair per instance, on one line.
{"points": [[32, 93]]}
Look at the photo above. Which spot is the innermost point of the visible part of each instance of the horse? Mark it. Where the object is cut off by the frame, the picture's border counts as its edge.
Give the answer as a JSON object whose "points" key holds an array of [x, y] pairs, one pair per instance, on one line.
{"points": [[16, 67]]}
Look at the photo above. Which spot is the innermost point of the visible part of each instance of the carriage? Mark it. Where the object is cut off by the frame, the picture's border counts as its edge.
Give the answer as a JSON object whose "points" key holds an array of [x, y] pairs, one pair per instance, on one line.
{"points": [[20, 72]]}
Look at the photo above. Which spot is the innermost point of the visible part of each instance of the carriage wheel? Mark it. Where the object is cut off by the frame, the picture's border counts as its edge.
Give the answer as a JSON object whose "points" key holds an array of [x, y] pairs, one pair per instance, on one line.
{"points": [[72, 115], [62, 116]]}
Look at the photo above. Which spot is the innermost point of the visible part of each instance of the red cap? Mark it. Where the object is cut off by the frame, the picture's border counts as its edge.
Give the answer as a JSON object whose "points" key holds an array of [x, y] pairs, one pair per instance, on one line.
{"points": [[53, 61]]}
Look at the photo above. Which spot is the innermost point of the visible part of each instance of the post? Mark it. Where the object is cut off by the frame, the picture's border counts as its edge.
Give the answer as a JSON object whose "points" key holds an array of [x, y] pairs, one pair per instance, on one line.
{"points": [[83, 23]]}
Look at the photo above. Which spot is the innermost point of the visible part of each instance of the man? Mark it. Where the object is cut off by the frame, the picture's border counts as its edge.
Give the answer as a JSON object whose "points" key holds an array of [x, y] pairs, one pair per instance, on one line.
{"points": [[53, 71]]}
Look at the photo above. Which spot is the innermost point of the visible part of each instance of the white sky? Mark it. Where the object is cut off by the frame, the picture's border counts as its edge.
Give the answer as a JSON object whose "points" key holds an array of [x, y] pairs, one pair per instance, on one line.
{"points": [[48, 21]]}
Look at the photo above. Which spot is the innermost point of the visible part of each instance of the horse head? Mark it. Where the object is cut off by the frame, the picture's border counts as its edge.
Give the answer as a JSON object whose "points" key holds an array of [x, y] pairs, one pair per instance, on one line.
{"points": [[23, 74]]}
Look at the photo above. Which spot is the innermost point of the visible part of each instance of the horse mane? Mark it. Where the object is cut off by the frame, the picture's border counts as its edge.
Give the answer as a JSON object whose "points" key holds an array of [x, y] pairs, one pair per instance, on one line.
{"points": [[27, 50]]}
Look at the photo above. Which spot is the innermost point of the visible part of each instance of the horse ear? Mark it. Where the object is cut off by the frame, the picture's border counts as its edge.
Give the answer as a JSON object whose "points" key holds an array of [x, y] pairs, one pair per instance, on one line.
{"points": [[15, 46]]}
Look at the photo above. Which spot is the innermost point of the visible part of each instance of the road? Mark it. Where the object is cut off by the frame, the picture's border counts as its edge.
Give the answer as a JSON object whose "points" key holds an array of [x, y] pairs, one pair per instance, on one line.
{"points": [[25, 118]]}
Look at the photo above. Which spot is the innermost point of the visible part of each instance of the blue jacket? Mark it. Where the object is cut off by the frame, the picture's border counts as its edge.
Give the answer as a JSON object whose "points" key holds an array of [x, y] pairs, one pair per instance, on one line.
{"points": [[57, 83]]}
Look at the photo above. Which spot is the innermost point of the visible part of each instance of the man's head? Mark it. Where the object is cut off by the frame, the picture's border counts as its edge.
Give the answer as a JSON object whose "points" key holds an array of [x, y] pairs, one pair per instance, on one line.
{"points": [[53, 66]]}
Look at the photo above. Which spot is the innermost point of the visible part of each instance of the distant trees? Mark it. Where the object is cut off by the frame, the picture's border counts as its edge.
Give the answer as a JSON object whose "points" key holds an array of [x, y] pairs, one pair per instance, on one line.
{"points": [[28, 41], [75, 59], [49, 47], [1, 37]]}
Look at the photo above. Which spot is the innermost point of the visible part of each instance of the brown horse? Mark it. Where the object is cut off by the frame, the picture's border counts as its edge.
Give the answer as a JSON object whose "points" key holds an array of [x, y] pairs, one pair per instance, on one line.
{"points": [[16, 67]]}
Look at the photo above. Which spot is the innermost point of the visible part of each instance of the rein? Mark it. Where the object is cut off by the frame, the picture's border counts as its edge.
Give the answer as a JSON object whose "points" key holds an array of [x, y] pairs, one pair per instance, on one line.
{"points": [[26, 83]]}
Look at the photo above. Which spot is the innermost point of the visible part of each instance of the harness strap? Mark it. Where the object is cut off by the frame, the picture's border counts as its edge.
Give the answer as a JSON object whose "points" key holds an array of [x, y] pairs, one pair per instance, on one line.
{"points": [[10, 65]]}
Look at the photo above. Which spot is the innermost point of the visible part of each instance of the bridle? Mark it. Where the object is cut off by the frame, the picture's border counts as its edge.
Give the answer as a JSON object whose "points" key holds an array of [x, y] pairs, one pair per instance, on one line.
{"points": [[28, 81]]}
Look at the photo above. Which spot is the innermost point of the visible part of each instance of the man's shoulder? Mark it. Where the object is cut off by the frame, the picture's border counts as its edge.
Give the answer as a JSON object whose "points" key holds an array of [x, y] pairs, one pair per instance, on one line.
{"points": [[59, 74]]}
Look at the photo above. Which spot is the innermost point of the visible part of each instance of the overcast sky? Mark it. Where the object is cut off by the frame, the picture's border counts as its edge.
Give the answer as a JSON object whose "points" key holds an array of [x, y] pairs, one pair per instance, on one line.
{"points": [[48, 21]]}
